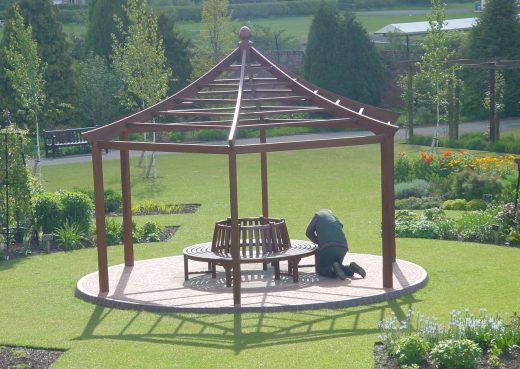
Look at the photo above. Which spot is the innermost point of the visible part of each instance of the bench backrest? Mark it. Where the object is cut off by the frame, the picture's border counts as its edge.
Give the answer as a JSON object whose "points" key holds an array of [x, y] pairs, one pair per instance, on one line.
{"points": [[69, 135], [257, 236]]}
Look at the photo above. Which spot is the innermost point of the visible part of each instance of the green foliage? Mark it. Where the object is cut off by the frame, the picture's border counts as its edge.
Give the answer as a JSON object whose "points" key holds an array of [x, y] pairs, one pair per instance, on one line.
{"points": [[470, 185], [417, 203], [101, 26], [151, 232], [266, 38], [456, 354], [139, 59], [113, 201], [98, 86], [17, 181], [341, 58], [496, 35], [476, 204], [53, 50], [114, 231], [456, 204], [212, 135], [410, 349], [176, 50], [70, 236], [77, 209], [48, 214], [477, 226], [415, 188], [24, 69]]}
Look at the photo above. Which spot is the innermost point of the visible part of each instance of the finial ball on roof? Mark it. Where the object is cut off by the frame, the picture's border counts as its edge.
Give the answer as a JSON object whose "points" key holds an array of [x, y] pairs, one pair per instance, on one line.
{"points": [[245, 33]]}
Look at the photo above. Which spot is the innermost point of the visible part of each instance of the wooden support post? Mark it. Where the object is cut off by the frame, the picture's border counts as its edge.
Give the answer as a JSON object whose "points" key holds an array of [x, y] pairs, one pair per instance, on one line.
{"points": [[99, 201], [492, 107], [388, 210], [263, 170], [235, 235], [127, 203]]}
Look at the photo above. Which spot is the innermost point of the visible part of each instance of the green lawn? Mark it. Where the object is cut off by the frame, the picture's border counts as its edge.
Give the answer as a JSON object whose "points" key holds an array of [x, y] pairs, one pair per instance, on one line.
{"points": [[39, 309]]}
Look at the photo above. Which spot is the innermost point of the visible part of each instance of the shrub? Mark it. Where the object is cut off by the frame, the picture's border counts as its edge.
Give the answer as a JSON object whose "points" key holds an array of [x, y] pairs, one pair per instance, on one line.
{"points": [[77, 209], [477, 226], [417, 203], [410, 349], [476, 204], [456, 354], [151, 232], [420, 140], [113, 201], [70, 236], [403, 169], [457, 204], [212, 135], [470, 185], [113, 231], [415, 188], [48, 212]]}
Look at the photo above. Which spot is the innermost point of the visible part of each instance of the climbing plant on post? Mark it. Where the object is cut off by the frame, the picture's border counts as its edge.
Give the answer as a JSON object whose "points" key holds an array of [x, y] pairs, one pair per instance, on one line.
{"points": [[15, 182], [24, 71], [434, 70], [139, 60]]}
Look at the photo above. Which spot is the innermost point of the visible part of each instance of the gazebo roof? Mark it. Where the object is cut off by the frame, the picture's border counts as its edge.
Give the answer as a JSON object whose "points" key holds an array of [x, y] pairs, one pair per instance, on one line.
{"points": [[245, 90]]}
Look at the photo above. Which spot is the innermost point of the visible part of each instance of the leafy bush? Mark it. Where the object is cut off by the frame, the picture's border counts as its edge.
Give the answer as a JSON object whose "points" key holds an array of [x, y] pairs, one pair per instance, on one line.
{"points": [[456, 354], [113, 231], [77, 209], [415, 188], [410, 349], [476, 204], [416, 203], [212, 135], [470, 185], [113, 201], [457, 204], [151, 232], [432, 224], [47, 210], [70, 236], [403, 169], [420, 140], [477, 226]]}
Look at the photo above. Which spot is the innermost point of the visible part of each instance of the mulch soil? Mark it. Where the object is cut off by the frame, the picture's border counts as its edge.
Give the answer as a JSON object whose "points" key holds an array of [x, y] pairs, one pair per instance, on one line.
{"points": [[27, 358], [507, 361]]}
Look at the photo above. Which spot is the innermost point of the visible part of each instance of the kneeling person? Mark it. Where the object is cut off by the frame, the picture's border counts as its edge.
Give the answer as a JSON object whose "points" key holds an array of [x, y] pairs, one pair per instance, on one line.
{"points": [[326, 230]]}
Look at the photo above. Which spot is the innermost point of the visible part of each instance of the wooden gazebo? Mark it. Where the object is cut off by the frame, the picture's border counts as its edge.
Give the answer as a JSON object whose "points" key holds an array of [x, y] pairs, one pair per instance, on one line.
{"points": [[244, 90]]}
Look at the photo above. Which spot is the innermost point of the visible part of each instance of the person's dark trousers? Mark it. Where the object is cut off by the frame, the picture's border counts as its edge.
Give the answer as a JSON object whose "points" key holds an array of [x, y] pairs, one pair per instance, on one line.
{"points": [[326, 257]]}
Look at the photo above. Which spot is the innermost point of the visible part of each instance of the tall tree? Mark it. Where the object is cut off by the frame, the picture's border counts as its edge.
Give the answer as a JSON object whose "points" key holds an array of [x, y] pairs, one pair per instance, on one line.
{"points": [[341, 58], [215, 39], [139, 59], [320, 47], [176, 50], [98, 86], [53, 49], [24, 69], [496, 35], [101, 26], [434, 71]]}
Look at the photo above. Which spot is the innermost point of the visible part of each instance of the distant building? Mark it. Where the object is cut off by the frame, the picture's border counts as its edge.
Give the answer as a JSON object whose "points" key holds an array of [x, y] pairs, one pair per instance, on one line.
{"points": [[70, 2]]}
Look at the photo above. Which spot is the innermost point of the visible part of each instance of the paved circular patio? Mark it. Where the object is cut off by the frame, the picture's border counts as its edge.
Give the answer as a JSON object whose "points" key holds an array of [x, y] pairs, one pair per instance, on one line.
{"points": [[158, 285]]}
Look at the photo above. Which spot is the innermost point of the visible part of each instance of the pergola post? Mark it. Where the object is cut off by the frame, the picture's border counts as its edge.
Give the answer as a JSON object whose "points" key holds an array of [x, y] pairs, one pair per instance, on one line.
{"points": [[99, 201], [388, 210], [263, 173], [235, 236], [127, 203]]}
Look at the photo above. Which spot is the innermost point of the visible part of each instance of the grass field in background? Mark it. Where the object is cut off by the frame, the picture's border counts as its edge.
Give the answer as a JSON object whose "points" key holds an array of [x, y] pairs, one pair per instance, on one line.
{"points": [[39, 309]]}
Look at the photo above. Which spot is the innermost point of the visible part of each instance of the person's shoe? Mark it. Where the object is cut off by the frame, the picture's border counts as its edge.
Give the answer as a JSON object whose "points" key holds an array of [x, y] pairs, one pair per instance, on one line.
{"points": [[338, 270], [357, 269]]}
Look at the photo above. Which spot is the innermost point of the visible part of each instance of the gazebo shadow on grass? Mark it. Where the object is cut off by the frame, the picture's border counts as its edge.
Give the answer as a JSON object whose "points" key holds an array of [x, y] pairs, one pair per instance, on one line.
{"points": [[240, 331]]}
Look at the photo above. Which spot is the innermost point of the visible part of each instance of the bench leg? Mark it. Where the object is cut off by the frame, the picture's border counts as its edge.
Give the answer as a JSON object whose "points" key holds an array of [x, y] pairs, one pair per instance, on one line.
{"points": [[228, 274], [186, 273], [264, 266], [213, 270], [276, 265], [289, 266], [295, 274]]}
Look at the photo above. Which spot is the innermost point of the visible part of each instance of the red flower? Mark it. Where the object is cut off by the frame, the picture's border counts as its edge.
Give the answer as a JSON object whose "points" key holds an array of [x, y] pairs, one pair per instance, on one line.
{"points": [[447, 153], [428, 158], [423, 154]]}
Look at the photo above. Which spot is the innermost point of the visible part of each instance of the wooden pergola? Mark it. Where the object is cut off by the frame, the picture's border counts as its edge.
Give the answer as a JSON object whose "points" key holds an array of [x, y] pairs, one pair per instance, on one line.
{"points": [[244, 91]]}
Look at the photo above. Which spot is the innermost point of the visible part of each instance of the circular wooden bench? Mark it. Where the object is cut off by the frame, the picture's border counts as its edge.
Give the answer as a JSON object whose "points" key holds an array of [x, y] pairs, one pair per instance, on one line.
{"points": [[262, 240], [203, 252]]}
